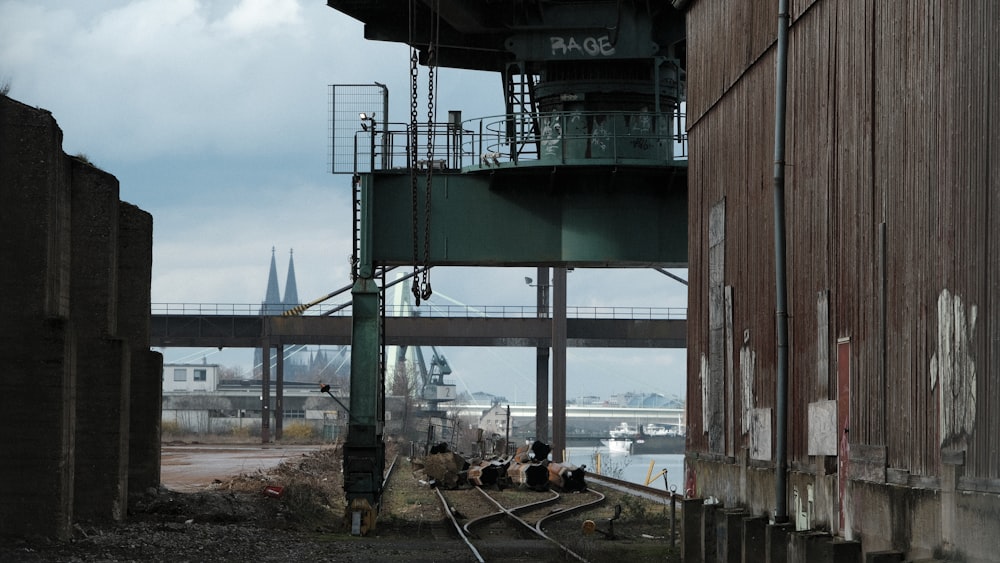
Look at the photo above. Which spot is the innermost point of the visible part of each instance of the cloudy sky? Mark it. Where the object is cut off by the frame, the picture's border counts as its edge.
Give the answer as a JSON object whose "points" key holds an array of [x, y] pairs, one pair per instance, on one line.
{"points": [[213, 116]]}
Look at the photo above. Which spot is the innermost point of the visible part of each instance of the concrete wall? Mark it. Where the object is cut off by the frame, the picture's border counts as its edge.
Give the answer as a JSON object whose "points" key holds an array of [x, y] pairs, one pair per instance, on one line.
{"points": [[880, 517], [75, 340]]}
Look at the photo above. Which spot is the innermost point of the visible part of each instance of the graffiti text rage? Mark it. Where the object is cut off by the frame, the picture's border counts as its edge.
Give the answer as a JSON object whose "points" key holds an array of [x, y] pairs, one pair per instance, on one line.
{"points": [[593, 46]]}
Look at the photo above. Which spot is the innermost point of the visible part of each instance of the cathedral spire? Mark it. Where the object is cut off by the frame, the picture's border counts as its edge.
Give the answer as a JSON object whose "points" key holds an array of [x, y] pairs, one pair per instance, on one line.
{"points": [[272, 298], [291, 290]]}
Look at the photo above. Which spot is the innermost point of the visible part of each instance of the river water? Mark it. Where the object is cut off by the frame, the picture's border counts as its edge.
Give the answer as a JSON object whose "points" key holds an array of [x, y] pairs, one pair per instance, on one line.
{"points": [[628, 467]]}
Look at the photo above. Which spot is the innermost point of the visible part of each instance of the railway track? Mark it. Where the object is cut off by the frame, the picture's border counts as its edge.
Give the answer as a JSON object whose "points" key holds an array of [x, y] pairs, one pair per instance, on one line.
{"points": [[511, 523]]}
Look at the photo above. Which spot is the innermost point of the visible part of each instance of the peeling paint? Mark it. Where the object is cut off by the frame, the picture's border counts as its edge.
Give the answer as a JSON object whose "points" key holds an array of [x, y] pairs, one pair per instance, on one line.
{"points": [[748, 361], [704, 393], [952, 368]]}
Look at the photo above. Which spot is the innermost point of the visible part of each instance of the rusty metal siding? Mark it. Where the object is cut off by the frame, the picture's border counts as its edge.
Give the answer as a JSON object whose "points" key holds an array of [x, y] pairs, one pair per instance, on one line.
{"points": [[969, 88], [728, 135], [990, 439], [724, 39], [892, 185]]}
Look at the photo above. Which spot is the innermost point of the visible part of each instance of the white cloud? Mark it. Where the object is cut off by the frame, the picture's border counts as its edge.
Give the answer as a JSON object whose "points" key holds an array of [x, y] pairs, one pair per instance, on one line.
{"points": [[251, 17]]}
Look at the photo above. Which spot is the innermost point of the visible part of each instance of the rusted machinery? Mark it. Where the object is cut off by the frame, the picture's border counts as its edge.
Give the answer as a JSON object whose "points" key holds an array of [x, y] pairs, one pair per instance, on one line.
{"points": [[528, 468]]}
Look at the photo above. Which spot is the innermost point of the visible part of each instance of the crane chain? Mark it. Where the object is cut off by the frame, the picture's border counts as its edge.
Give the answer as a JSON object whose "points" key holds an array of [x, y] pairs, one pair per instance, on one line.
{"points": [[412, 145], [425, 285]]}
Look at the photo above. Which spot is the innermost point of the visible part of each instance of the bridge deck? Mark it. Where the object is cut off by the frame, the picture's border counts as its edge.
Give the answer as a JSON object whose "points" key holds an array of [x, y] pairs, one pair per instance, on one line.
{"points": [[249, 331]]}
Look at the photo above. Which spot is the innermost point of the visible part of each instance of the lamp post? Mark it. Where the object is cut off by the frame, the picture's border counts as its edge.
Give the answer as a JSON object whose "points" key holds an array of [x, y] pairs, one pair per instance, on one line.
{"points": [[368, 125], [542, 305]]}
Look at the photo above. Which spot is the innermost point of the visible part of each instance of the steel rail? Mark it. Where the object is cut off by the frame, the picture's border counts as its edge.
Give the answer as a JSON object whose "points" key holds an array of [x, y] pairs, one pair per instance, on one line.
{"points": [[571, 510], [503, 511], [458, 528], [650, 493], [388, 471], [510, 512]]}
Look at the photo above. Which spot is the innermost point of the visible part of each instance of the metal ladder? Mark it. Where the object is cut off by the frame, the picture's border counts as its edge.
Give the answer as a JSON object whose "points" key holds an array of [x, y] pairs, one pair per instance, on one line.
{"points": [[522, 119]]}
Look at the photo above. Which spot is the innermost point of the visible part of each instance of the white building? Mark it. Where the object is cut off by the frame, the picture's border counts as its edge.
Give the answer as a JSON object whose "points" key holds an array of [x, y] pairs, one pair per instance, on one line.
{"points": [[179, 378]]}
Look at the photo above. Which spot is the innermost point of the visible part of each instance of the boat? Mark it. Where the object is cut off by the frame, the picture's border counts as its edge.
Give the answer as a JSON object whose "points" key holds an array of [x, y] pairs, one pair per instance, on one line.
{"points": [[618, 445], [619, 440], [658, 439]]}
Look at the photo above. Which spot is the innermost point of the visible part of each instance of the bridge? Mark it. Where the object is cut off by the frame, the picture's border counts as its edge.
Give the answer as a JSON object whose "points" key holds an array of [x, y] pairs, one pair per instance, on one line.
{"points": [[207, 325]]}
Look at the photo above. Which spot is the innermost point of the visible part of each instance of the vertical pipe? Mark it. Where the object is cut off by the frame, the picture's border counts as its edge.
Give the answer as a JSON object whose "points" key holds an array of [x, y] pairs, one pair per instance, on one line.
{"points": [[781, 304]]}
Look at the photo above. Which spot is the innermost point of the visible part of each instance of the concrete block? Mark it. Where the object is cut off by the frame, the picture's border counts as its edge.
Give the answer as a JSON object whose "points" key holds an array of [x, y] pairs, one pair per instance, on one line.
{"points": [[883, 557], [777, 536], [135, 260], [36, 477], [691, 530], [710, 539], [146, 395], [101, 490], [754, 540], [94, 240], [729, 535], [820, 547], [845, 551]]}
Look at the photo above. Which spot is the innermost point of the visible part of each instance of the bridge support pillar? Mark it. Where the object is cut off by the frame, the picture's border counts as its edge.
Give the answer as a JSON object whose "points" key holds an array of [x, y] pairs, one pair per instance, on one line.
{"points": [[265, 391], [364, 451], [558, 363], [279, 392], [542, 362]]}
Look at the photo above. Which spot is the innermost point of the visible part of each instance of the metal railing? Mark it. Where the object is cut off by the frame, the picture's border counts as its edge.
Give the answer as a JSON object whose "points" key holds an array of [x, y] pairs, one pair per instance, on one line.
{"points": [[528, 139], [430, 311]]}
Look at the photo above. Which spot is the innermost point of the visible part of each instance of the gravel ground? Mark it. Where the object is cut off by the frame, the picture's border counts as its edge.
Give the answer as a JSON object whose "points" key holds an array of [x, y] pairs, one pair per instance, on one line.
{"points": [[234, 521]]}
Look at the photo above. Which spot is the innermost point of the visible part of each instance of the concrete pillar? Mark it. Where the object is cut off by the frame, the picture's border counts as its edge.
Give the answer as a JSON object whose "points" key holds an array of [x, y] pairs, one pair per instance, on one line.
{"points": [[37, 340], [754, 540], [102, 398], [729, 535], [102, 419], [691, 530], [776, 541], [146, 392], [710, 539], [36, 474], [145, 368], [67, 369]]}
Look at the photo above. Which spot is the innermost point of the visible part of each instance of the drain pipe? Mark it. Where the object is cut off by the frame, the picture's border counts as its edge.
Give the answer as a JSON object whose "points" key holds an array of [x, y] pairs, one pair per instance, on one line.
{"points": [[781, 304]]}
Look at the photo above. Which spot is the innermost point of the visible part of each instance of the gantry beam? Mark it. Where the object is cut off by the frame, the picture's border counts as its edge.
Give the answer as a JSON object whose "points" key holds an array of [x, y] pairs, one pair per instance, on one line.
{"points": [[235, 331]]}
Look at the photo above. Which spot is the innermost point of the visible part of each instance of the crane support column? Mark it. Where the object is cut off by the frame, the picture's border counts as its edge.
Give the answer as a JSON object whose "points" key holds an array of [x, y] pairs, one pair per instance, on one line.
{"points": [[364, 450]]}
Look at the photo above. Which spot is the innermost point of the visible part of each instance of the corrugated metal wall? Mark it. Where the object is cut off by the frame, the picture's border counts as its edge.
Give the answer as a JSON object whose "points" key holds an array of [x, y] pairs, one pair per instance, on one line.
{"points": [[892, 195]]}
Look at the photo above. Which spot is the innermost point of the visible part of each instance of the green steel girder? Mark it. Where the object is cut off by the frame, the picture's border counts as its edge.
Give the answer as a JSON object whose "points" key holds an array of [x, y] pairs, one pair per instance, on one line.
{"points": [[364, 450], [543, 216]]}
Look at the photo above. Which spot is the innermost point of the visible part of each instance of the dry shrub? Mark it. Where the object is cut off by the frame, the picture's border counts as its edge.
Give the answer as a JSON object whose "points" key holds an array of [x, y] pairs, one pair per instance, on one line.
{"points": [[299, 431], [311, 487], [170, 428], [242, 432]]}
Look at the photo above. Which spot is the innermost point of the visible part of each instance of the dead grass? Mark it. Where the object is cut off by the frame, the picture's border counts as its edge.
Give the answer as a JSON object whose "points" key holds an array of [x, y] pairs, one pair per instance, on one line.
{"points": [[311, 488]]}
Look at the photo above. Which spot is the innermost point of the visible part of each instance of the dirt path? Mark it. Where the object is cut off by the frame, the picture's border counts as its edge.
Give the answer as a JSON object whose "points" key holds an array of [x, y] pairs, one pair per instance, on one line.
{"points": [[194, 467]]}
